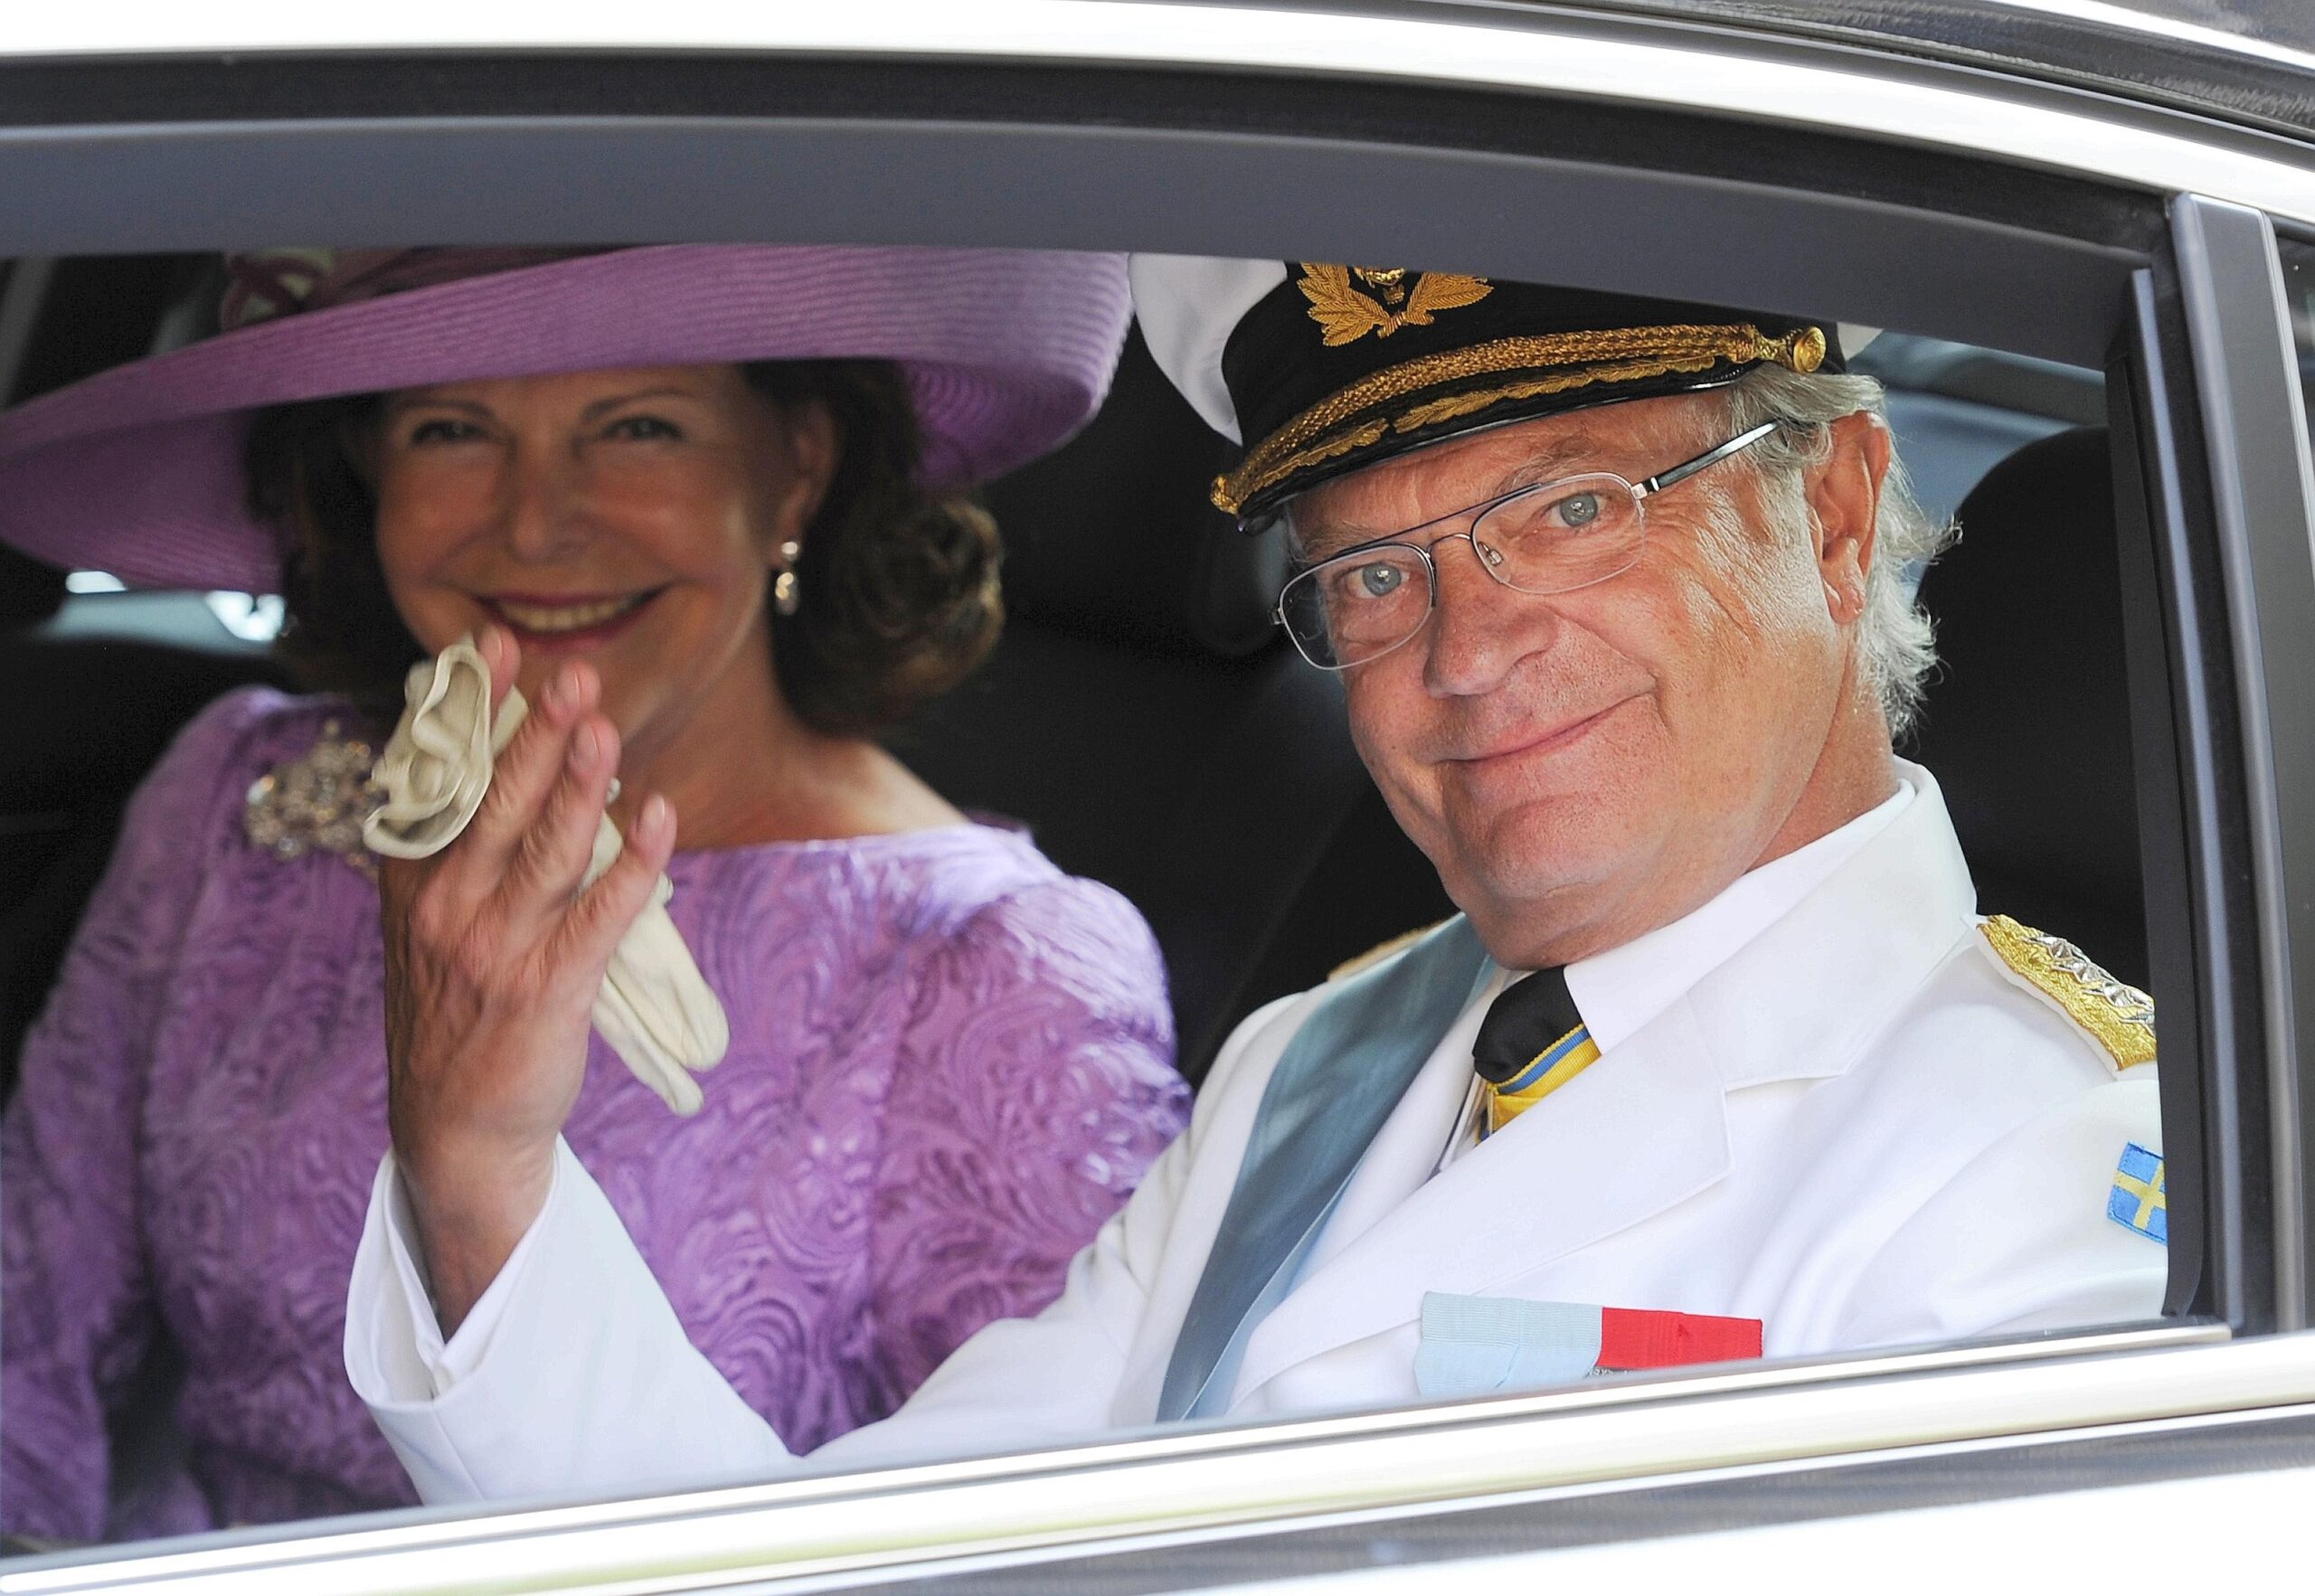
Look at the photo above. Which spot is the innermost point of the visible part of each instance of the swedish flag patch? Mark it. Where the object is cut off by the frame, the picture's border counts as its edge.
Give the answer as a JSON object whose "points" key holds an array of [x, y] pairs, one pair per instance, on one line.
{"points": [[2139, 1201]]}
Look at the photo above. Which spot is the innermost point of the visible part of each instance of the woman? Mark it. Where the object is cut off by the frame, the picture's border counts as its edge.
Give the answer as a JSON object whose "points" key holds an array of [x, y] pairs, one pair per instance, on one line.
{"points": [[715, 576]]}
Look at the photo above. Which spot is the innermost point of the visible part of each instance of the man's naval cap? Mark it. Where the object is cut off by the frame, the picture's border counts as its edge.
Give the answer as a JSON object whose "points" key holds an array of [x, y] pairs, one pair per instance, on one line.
{"points": [[1319, 369]]}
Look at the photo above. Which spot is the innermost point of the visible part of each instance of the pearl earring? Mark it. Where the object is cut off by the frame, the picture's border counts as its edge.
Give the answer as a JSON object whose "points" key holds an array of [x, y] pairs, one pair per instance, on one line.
{"points": [[786, 597]]}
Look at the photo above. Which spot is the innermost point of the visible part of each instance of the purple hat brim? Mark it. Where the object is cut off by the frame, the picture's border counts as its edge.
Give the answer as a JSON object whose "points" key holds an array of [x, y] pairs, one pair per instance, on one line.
{"points": [[138, 470]]}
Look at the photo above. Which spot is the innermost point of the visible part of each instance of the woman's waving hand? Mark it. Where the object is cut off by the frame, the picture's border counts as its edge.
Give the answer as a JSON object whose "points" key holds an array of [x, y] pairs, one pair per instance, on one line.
{"points": [[494, 952]]}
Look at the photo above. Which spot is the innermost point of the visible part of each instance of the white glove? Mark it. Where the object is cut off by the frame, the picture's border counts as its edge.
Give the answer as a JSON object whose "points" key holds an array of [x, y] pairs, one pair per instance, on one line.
{"points": [[654, 1007]]}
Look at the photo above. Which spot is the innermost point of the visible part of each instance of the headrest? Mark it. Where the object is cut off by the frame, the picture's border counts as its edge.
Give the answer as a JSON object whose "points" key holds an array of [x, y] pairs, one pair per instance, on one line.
{"points": [[2027, 723], [1113, 535]]}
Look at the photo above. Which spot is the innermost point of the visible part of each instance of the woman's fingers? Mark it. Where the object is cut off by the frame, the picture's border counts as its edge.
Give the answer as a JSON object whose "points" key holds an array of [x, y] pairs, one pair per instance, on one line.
{"points": [[551, 862], [603, 911], [504, 655], [520, 780]]}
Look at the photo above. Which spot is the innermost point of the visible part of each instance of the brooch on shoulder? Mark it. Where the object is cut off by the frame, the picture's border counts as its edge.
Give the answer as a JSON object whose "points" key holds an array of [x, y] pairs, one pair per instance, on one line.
{"points": [[316, 801]]}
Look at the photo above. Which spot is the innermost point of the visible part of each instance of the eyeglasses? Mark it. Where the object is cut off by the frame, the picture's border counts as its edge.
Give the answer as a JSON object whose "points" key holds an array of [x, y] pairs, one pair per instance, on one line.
{"points": [[1549, 537]]}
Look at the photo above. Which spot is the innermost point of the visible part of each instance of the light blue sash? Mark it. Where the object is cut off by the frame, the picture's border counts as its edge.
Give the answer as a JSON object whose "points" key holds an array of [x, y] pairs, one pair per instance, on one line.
{"points": [[1339, 1078]]}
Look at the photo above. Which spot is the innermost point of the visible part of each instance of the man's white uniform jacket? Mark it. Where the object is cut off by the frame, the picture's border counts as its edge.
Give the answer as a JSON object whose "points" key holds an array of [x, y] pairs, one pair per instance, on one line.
{"points": [[1828, 1101]]}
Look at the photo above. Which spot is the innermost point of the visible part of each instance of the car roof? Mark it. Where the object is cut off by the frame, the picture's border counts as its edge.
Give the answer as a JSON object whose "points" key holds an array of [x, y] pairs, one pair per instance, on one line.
{"points": [[2169, 110], [2248, 61]]}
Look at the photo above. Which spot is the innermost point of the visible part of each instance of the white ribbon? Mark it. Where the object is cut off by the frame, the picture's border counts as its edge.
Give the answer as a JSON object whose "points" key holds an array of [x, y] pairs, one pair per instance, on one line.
{"points": [[654, 1007]]}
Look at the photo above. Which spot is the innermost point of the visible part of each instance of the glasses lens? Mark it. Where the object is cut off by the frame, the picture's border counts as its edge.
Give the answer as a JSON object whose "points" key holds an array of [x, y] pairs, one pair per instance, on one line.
{"points": [[1560, 535], [1354, 608]]}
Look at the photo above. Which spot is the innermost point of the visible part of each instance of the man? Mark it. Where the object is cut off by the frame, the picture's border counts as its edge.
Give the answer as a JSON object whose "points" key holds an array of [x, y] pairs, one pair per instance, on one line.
{"points": [[1718, 1059]]}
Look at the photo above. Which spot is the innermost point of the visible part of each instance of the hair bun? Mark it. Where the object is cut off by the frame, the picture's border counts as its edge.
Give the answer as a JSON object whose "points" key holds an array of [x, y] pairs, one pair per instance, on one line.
{"points": [[898, 588]]}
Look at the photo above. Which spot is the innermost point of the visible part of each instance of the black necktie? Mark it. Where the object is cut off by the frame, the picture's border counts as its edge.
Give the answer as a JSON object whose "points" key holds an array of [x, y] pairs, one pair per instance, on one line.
{"points": [[1532, 1043]]}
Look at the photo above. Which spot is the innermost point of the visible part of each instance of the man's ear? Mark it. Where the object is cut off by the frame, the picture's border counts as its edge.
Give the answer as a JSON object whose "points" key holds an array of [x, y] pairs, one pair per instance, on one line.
{"points": [[1844, 508]]}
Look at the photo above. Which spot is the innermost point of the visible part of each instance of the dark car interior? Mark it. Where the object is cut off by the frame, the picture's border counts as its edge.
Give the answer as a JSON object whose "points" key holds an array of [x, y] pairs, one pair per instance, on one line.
{"points": [[1144, 717]]}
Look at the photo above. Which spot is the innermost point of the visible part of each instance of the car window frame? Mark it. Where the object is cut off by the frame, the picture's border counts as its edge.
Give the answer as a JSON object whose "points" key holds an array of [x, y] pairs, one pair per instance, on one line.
{"points": [[2218, 465], [2225, 940]]}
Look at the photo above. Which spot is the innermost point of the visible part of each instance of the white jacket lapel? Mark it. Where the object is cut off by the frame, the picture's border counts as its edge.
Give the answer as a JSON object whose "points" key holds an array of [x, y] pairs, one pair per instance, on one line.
{"points": [[1644, 1128], [1809, 995]]}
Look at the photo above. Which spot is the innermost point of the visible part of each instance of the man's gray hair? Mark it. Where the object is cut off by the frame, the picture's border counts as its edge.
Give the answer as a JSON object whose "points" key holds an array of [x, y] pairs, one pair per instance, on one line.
{"points": [[1894, 635]]}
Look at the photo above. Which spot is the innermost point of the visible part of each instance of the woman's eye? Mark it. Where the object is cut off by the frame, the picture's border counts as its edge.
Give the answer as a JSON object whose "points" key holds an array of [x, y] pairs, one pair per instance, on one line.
{"points": [[443, 430], [643, 429]]}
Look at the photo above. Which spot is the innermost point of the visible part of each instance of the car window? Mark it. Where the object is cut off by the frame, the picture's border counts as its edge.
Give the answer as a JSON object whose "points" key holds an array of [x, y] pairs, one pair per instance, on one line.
{"points": [[1969, 423]]}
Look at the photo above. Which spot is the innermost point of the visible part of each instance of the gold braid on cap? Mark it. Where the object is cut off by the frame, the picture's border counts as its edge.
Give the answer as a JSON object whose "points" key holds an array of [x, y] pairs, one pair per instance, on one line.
{"points": [[1616, 355]]}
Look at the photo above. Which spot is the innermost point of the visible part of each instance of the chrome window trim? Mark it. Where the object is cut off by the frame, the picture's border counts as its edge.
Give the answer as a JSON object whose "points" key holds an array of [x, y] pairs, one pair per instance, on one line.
{"points": [[1524, 51], [1794, 1493], [1254, 1476], [2164, 1534]]}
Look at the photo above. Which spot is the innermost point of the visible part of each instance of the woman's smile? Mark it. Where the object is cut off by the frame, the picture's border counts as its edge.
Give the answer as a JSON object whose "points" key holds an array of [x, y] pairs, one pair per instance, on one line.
{"points": [[567, 623]]}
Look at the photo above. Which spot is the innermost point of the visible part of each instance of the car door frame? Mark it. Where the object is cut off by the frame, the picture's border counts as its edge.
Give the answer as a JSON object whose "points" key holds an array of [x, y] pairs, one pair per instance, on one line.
{"points": [[2222, 566]]}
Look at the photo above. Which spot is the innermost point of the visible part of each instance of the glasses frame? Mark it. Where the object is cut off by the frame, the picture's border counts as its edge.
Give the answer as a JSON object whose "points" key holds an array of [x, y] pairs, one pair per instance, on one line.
{"points": [[1641, 491]]}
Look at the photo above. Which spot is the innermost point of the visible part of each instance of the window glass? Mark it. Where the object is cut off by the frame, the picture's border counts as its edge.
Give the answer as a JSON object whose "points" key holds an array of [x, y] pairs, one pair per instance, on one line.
{"points": [[956, 1027]]}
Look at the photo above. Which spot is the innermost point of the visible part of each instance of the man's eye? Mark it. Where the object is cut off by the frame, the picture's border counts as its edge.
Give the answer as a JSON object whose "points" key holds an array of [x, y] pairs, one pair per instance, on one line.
{"points": [[1373, 581], [1575, 512], [643, 429]]}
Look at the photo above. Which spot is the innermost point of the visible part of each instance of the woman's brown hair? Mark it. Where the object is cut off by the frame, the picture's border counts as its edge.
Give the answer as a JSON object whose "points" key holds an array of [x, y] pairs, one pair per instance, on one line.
{"points": [[898, 585]]}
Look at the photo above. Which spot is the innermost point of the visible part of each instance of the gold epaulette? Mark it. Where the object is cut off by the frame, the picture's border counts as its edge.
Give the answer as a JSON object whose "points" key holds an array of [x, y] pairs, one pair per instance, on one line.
{"points": [[2118, 1016], [1382, 950]]}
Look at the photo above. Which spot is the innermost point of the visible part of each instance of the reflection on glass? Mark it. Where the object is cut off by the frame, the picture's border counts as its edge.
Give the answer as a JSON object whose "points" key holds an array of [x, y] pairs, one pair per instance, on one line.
{"points": [[2299, 290]]}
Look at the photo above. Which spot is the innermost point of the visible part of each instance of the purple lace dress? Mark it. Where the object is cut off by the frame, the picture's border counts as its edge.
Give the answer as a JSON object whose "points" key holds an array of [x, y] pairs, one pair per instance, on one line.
{"points": [[948, 1065]]}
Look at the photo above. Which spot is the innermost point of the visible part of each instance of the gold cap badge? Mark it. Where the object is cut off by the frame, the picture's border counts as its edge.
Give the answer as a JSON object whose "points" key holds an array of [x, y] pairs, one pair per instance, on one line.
{"points": [[1344, 314]]}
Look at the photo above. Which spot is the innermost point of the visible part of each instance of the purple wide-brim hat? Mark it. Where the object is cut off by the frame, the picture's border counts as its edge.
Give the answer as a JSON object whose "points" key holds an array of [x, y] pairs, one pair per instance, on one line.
{"points": [[138, 470]]}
